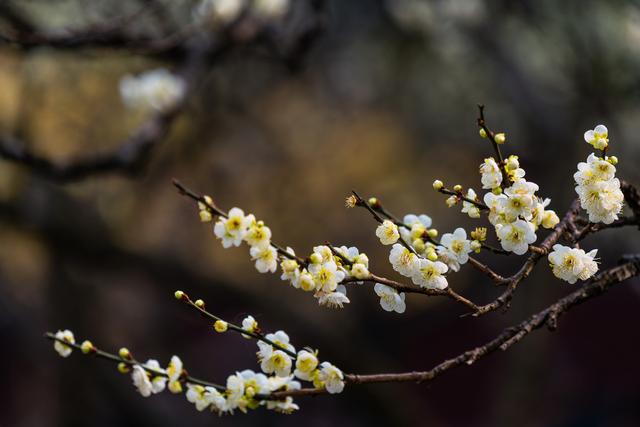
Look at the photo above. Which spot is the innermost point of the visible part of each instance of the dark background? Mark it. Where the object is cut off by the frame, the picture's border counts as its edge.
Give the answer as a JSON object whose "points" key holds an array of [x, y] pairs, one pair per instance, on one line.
{"points": [[384, 102]]}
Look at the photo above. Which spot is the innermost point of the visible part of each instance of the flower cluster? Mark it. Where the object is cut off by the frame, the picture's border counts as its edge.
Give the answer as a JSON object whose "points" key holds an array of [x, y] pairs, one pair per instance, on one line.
{"points": [[571, 264], [281, 369], [596, 184], [417, 258], [514, 209], [321, 273], [155, 90]]}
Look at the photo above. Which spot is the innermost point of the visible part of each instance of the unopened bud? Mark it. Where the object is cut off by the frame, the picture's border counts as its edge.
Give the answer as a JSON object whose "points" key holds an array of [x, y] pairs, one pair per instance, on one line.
{"points": [[220, 326], [87, 347]]}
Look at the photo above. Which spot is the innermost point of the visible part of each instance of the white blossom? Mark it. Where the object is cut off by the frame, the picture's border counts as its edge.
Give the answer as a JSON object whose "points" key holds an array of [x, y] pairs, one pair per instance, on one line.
{"points": [[430, 274], [457, 244], [280, 338], [330, 377], [516, 236], [62, 349], [174, 371], [306, 364], [285, 406], [144, 380], [258, 235], [334, 299], [326, 276], [278, 362], [157, 90], [403, 260], [496, 204], [470, 208], [233, 228], [387, 232], [266, 258], [205, 397], [390, 299], [491, 174], [599, 190], [255, 383], [598, 137], [571, 264], [141, 380]]}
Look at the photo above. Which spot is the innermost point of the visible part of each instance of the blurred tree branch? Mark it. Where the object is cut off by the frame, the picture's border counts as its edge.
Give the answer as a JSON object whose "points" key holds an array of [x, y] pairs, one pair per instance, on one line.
{"points": [[193, 47]]}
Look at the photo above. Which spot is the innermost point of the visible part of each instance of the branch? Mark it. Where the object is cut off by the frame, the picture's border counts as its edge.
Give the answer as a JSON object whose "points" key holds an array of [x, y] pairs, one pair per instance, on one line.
{"points": [[135, 150], [507, 338]]}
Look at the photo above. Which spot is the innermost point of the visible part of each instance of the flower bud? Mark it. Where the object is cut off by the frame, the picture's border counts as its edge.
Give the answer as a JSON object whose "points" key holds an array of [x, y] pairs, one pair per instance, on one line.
{"points": [[220, 326], [438, 185], [123, 368], [475, 246], [199, 303], [432, 256], [457, 188], [433, 233], [124, 353], [613, 160], [373, 202], [500, 138], [483, 133], [205, 215], [179, 295], [497, 190], [87, 347]]}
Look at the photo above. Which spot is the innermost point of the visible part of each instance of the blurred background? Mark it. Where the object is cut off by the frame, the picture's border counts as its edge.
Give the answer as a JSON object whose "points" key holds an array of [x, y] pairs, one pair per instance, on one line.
{"points": [[383, 101]]}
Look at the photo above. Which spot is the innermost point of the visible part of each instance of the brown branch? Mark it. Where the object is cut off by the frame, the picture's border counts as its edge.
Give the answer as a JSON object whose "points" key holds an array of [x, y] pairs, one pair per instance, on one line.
{"points": [[506, 339], [128, 157], [415, 289], [496, 147]]}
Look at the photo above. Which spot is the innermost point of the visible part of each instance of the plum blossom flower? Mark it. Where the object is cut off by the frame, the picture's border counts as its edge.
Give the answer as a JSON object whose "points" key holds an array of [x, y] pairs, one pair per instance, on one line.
{"points": [[598, 137], [430, 274], [157, 90], [306, 364], [457, 245], [491, 174], [330, 377], [334, 299], [469, 208], [403, 260], [390, 299], [266, 258], [516, 236], [387, 232], [571, 264], [62, 349], [231, 230]]}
